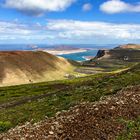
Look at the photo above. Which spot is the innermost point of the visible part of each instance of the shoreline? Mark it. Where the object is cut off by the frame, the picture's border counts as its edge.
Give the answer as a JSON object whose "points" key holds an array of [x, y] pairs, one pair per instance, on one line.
{"points": [[55, 52], [88, 57]]}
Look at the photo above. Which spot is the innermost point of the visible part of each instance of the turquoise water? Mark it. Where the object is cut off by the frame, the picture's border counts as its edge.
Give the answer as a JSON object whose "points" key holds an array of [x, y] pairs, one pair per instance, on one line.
{"points": [[80, 56], [76, 56]]}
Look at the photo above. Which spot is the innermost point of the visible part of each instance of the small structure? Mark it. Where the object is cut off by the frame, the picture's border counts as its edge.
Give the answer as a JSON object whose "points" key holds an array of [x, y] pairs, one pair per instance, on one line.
{"points": [[69, 76]]}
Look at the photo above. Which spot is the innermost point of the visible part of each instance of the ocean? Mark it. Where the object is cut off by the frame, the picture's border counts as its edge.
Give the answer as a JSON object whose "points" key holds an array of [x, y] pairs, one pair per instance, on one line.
{"points": [[92, 49], [80, 56]]}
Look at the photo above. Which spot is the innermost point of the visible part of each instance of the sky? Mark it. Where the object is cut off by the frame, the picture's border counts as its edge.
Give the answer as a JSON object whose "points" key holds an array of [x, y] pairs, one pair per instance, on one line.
{"points": [[69, 21]]}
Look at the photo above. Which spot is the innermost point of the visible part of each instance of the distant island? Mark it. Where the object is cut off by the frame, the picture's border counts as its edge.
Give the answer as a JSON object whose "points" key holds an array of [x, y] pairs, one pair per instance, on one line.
{"points": [[60, 50]]}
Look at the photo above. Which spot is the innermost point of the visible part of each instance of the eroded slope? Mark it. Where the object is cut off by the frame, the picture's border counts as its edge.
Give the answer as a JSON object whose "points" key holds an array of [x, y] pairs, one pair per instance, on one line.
{"points": [[19, 67]]}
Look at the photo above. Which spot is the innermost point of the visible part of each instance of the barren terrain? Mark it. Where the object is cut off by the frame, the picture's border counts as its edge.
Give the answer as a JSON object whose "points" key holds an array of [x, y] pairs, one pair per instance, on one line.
{"points": [[20, 67]]}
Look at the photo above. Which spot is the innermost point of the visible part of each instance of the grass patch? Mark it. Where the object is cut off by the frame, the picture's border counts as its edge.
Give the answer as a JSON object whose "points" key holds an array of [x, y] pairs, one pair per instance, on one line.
{"points": [[90, 88], [132, 128], [5, 126]]}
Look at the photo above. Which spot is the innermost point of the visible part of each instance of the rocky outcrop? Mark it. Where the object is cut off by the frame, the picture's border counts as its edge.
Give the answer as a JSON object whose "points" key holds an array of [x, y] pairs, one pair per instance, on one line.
{"points": [[129, 52], [102, 54]]}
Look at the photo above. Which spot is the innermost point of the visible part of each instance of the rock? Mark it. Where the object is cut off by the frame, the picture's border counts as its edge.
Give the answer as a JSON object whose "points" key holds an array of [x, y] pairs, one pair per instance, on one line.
{"points": [[51, 132]]}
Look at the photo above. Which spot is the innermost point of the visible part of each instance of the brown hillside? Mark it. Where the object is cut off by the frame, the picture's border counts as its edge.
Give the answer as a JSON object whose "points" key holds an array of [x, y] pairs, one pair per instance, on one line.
{"points": [[19, 67], [130, 46]]}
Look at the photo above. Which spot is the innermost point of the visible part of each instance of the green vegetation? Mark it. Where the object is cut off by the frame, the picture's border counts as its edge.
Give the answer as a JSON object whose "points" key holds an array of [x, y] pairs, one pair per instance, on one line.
{"points": [[115, 58], [65, 94], [132, 129], [5, 126]]}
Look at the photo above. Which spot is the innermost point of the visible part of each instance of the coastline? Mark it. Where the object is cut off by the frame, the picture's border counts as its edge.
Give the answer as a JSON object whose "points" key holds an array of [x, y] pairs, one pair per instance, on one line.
{"points": [[62, 52], [88, 57]]}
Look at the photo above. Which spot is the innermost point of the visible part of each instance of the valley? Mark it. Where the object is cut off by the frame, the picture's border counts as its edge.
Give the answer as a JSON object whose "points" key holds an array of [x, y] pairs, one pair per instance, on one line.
{"points": [[102, 79], [69, 69], [21, 67]]}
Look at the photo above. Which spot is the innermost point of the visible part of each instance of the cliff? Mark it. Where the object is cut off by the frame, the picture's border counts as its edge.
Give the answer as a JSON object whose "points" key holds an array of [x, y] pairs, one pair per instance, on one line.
{"points": [[129, 52]]}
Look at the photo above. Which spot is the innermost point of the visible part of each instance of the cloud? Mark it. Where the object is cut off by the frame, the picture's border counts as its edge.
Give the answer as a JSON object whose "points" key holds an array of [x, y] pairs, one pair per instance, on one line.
{"points": [[68, 31], [16, 31], [38, 7], [119, 6], [13, 28], [83, 30], [87, 7]]}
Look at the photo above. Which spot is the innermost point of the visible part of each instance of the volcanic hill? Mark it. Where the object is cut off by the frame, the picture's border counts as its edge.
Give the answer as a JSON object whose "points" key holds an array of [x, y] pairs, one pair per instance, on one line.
{"points": [[21, 67], [129, 46], [129, 52], [118, 57]]}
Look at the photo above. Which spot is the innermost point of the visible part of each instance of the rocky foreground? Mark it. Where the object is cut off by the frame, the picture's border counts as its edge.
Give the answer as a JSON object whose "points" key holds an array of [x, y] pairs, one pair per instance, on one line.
{"points": [[87, 121]]}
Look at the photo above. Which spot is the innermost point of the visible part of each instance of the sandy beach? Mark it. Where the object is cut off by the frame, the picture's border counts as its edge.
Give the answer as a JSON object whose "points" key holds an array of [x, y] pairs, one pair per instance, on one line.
{"points": [[61, 52]]}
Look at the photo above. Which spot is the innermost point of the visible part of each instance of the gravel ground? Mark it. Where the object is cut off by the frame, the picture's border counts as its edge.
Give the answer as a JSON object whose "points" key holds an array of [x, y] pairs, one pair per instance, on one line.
{"points": [[87, 121]]}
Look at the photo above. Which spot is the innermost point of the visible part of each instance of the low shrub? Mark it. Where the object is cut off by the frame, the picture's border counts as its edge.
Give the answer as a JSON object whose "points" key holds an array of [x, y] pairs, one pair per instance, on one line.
{"points": [[5, 125]]}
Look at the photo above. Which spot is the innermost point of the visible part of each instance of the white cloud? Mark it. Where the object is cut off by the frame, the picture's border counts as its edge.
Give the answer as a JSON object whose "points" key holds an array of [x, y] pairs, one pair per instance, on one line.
{"points": [[87, 7], [22, 32], [37, 7], [80, 29], [68, 30], [119, 6], [13, 28]]}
